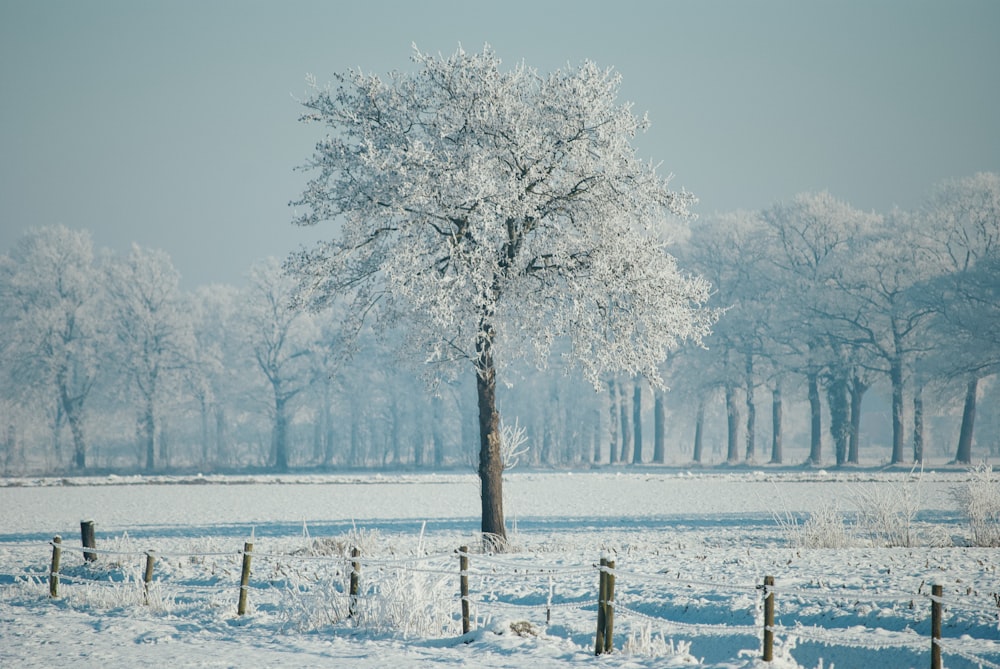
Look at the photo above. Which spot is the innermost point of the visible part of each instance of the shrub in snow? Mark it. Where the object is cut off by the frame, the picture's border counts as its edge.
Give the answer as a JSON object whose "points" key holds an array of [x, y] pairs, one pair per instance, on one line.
{"points": [[414, 603], [887, 512], [823, 529], [979, 501]]}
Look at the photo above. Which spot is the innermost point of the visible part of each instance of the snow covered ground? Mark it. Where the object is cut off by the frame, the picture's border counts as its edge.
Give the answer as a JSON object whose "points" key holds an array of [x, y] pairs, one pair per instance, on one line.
{"points": [[691, 547]]}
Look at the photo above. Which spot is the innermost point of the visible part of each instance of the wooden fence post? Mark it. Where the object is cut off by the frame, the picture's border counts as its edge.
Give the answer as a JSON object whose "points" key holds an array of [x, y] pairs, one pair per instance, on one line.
{"points": [[54, 570], [88, 539], [463, 565], [768, 618], [244, 578], [352, 607], [602, 610], [147, 577], [609, 625], [937, 592]]}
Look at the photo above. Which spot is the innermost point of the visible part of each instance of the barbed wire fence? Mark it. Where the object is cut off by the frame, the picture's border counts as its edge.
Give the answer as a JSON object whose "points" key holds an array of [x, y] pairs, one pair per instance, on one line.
{"points": [[363, 591]]}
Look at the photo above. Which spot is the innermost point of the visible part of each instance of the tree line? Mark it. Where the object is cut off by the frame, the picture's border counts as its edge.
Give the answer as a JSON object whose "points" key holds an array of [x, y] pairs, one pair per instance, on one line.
{"points": [[108, 365]]}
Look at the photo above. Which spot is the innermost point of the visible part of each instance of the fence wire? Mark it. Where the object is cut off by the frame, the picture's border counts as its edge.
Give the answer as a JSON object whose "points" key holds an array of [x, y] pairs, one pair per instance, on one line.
{"points": [[376, 571]]}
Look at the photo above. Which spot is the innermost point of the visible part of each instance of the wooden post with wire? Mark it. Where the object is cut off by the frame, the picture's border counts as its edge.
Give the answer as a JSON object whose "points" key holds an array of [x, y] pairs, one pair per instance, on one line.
{"points": [[54, 570], [352, 608], [88, 539], [147, 576], [768, 618], [609, 632], [604, 641], [244, 578], [937, 592], [463, 565]]}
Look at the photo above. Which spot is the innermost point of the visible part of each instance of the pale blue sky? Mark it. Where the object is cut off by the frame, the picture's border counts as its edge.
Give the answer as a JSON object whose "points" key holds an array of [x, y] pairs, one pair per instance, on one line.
{"points": [[173, 124]]}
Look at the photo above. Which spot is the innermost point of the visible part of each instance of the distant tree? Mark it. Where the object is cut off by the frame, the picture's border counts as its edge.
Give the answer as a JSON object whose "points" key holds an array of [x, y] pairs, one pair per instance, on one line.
{"points": [[493, 212], [730, 251], [280, 339], [53, 336], [808, 233], [217, 365], [155, 336], [872, 302], [961, 224]]}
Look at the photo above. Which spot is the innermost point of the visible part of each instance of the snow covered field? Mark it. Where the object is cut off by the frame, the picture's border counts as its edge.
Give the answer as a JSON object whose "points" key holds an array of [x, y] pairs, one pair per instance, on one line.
{"points": [[690, 550]]}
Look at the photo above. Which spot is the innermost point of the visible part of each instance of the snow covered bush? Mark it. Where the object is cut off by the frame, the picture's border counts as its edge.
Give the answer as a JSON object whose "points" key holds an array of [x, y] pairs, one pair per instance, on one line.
{"points": [[393, 595], [979, 501], [887, 512], [824, 528]]}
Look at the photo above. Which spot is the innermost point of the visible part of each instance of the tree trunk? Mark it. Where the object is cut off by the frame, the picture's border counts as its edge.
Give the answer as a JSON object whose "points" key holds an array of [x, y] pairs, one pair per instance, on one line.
{"points": [[840, 420], [148, 429], [79, 444], [490, 462], [396, 447], [437, 430], [659, 428], [751, 411], [637, 423], [776, 454], [918, 423], [964, 453], [699, 425], [222, 455], [327, 425], [592, 453], [626, 424], [733, 422], [613, 421], [898, 431], [203, 407], [858, 389], [280, 434], [73, 408], [815, 412]]}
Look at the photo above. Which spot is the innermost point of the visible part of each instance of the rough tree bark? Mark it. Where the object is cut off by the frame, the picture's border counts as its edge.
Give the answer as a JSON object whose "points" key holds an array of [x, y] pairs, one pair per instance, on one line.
{"points": [[898, 431], [840, 419], [963, 455], [490, 462], [918, 423]]}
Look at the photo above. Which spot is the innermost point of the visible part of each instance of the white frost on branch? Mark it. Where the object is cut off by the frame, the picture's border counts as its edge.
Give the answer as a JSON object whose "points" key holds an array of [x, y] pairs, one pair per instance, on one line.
{"points": [[494, 212]]}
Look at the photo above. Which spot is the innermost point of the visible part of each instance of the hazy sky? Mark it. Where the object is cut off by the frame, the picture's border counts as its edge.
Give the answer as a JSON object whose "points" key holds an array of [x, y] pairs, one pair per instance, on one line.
{"points": [[173, 124]]}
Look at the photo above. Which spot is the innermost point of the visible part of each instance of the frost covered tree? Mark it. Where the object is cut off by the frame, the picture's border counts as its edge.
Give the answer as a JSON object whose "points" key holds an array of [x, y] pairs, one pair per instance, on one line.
{"points": [[280, 340], [154, 332], [810, 232], [52, 340], [962, 224], [492, 212]]}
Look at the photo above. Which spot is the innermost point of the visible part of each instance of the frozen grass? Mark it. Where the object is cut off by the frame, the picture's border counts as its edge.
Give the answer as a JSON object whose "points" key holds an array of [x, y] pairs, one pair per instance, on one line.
{"points": [[686, 582], [979, 500]]}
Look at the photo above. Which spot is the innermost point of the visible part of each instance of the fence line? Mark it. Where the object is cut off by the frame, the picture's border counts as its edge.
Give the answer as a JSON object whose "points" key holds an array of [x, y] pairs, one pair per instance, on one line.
{"points": [[949, 646], [356, 565]]}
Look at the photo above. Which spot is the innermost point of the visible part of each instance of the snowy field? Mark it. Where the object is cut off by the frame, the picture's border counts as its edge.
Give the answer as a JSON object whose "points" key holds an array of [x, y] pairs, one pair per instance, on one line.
{"points": [[690, 550]]}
